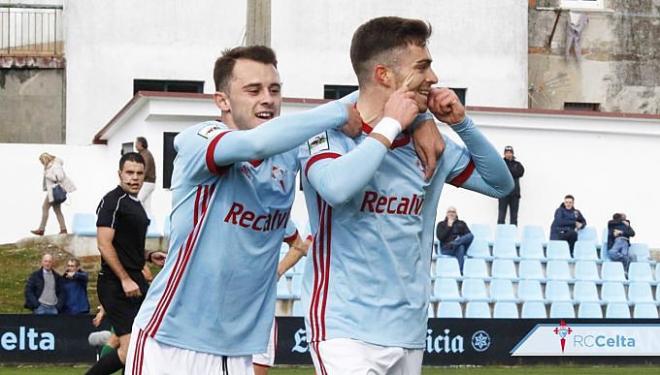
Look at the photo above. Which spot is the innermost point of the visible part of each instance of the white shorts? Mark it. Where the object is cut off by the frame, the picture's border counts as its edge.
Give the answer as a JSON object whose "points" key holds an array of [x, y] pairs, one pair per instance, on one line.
{"points": [[267, 359], [147, 356], [354, 357]]}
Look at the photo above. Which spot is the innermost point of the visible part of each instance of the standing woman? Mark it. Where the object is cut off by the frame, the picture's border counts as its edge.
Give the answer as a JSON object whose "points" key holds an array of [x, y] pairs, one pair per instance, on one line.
{"points": [[53, 175]]}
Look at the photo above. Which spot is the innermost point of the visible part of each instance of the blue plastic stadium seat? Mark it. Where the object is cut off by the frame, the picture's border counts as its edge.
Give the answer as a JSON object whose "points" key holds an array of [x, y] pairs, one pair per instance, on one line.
{"points": [[447, 268], [586, 270], [479, 310], [617, 310], [474, 290], [588, 233], [533, 310], [505, 310], [506, 231], [502, 291], [640, 251], [446, 290], [431, 311], [585, 291], [481, 231], [298, 309], [613, 292], [504, 269], [167, 226], [558, 250], [612, 271], [590, 310], [640, 292], [531, 249], [530, 290], [557, 291], [84, 224], [505, 248], [562, 310], [530, 270], [475, 268], [645, 311], [640, 271], [479, 248], [533, 232], [585, 250], [153, 230], [558, 270], [449, 310], [283, 291]]}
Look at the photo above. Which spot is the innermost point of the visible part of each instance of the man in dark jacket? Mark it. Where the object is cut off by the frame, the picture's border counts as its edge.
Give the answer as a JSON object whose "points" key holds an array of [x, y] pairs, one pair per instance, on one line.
{"points": [[75, 288], [513, 199], [44, 294], [454, 236], [619, 232], [568, 220]]}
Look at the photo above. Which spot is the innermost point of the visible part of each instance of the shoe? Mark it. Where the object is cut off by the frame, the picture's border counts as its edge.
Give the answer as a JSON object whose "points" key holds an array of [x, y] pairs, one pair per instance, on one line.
{"points": [[37, 232], [63, 231]]}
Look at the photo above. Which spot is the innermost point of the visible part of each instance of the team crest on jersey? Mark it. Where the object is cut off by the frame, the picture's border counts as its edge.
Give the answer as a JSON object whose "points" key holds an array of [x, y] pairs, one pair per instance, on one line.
{"points": [[318, 143], [209, 131], [277, 174]]}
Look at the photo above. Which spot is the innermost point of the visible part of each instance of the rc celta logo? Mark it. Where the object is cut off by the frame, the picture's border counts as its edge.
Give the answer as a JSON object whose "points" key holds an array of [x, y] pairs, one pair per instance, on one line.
{"points": [[563, 330]]}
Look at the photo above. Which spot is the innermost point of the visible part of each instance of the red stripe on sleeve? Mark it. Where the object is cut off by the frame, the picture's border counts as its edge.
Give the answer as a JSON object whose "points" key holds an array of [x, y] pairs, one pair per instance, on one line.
{"points": [[459, 180], [210, 160], [291, 238], [317, 157]]}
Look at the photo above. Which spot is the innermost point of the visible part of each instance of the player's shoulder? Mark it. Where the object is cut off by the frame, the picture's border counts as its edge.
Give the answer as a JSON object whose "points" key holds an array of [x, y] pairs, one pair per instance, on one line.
{"points": [[112, 197], [203, 131], [330, 140]]}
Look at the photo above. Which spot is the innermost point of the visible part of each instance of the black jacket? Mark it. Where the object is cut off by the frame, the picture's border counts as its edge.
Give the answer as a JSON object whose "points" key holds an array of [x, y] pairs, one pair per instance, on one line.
{"points": [[618, 224], [517, 170], [565, 220], [35, 285], [447, 234]]}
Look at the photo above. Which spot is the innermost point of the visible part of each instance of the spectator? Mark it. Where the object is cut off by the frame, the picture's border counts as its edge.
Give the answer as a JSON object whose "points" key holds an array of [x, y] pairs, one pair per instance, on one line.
{"points": [[513, 199], [454, 236], [142, 147], [75, 289], [44, 294], [53, 175], [619, 232], [568, 220]]}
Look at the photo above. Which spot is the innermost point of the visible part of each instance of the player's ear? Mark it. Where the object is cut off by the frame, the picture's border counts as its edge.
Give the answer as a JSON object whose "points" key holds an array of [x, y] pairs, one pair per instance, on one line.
{"points": [[222, 101], [383, 75]]}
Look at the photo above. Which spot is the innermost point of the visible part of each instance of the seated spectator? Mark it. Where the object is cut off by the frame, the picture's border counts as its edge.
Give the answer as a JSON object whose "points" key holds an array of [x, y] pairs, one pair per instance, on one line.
{"points": [[454, 236], [75, 289], [619, 232], [568, 220], [44, 293]]}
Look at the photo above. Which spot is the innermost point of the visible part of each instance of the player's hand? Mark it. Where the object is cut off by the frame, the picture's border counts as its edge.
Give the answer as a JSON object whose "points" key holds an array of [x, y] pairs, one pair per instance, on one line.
{"points": [[401, 105], [445, 106], [131, 289], [429, 146], [353, 126], [158, 258], [98, 318]]}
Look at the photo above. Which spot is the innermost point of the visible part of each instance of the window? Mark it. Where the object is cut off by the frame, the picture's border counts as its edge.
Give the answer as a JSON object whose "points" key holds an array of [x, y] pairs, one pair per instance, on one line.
{"points": [[169, 153], [460, 92], [167, 85], [337, 91], [580, 106], [127, 147], [582, 4]]}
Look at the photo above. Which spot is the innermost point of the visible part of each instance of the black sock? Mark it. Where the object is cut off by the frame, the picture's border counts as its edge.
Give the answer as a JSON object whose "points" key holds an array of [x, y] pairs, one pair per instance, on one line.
{"points": [[108, 364]]}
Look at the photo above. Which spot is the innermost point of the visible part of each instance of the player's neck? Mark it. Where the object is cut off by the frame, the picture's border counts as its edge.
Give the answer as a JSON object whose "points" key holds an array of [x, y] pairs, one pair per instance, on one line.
{"points": [[370, 104], [227, 119]]}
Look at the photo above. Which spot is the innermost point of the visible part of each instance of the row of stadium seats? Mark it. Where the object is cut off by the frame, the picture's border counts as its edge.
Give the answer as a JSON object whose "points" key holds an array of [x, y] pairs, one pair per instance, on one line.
{"points": [[84, 225], [500, 290], [552, 270], [528, 232], [538, 310]]}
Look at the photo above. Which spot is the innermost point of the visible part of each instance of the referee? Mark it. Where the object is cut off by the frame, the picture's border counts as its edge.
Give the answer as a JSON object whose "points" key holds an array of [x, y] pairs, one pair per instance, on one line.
{"points": [[121, 232]]}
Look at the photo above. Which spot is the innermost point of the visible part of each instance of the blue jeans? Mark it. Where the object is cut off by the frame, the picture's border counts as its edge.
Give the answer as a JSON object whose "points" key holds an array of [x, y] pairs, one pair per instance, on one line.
{"points": [[45, 310], [620, 252], [457, 248]]}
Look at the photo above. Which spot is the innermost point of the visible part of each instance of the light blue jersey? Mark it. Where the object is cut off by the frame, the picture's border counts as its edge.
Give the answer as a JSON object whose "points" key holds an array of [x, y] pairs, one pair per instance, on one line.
{"points": [[373, 213], [216, 293]]}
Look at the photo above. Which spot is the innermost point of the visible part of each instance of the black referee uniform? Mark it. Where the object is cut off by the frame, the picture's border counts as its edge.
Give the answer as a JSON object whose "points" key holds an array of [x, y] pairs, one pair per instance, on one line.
{"points": [[123, 213]]}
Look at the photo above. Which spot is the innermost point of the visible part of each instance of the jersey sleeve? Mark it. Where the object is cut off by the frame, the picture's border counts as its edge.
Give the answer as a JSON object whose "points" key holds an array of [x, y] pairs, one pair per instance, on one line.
{"points": [[195, 149], [329, 144], [107, 210], [291, 232]]}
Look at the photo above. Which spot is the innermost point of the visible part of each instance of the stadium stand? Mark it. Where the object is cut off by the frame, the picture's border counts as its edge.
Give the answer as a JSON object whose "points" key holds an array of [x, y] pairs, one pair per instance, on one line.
{"points": [[585, 250], [586, 270], [505, 248], [446, 290], [558, 250], [474, 290], [532, 249], [505, 310], [449, 310], [479, 248], [482, 231], [617, 311], [562, 310], [479, 310], [502, 291], [531, 270], [533, 233], [448, 268], [533, 310], [505, 232], [613, 271], [613, 292], [475, 268], [645, 311], [557, 291], [588, 233], [84, 224], [590, 310], [585, 292], [530, 291], [558, 270], [504, 269]]}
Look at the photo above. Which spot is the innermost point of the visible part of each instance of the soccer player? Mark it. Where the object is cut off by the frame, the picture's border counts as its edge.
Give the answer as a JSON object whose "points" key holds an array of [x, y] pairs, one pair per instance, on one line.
{"points": [[212, 305], [373, 212]]}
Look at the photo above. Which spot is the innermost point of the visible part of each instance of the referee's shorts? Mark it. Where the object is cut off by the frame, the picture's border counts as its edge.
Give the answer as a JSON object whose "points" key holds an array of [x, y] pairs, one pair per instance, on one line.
{"points": [[119, 309]]}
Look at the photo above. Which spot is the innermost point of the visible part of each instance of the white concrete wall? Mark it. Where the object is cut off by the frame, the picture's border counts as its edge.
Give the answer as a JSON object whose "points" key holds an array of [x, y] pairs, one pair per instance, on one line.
{"points": [[110, 43], [479, 45]]}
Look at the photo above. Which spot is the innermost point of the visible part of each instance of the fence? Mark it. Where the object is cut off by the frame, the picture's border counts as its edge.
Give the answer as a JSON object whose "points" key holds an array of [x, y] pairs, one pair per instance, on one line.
{"points": [[27, 30]]}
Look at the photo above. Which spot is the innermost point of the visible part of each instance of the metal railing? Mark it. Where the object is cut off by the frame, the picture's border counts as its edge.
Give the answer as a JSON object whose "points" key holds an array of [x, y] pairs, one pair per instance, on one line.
{"points": [[27, 30]]}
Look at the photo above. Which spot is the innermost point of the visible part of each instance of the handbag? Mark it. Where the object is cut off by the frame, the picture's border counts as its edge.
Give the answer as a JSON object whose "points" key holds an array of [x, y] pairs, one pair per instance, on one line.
{"points": [[59, 194]]}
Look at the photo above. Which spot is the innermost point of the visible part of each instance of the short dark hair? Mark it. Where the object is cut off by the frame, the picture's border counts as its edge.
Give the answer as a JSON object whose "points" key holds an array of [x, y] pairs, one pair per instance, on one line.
{"points": [[74, 260], [224, 65], [142, 141], [130, 156], [617, 217], [569, 196], [383, 34]]}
